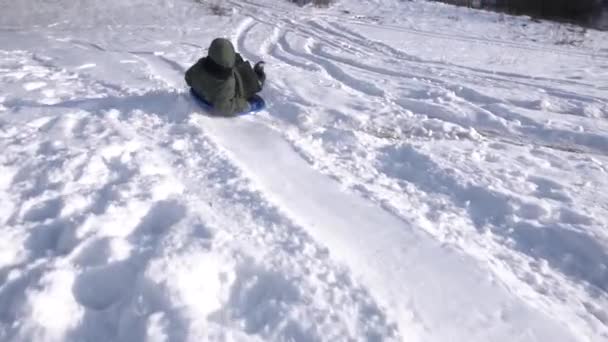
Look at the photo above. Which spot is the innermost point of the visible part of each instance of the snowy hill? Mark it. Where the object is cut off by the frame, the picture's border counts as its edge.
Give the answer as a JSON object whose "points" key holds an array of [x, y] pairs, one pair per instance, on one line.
{"points": [[422, 173]]}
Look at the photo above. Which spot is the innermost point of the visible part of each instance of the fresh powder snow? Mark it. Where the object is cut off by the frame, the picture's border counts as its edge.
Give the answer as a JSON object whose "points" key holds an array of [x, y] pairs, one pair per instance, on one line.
{"points": [[421, 172]]}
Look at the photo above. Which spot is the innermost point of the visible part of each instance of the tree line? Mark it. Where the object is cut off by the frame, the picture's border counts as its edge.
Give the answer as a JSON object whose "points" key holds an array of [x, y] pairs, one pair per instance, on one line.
{"points": [[559, 9], [574, 10]]}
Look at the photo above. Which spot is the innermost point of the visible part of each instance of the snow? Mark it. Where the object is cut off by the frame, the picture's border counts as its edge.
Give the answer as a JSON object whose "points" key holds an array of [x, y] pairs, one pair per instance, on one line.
{"points": [[422, 172]]}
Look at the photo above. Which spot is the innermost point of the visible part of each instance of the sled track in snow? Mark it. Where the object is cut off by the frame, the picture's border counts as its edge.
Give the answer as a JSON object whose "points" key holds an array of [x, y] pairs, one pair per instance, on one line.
{"points": [[149, 178], [307, 46], [313, 52], [333, 19]]}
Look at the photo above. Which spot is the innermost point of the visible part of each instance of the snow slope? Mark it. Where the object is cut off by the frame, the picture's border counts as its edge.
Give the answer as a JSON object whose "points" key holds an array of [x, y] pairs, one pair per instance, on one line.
{"points": [[422, 173]]}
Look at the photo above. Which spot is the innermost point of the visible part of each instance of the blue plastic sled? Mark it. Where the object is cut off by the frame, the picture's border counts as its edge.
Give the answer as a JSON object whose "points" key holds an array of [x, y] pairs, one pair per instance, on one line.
{"points": [[255, 102]]}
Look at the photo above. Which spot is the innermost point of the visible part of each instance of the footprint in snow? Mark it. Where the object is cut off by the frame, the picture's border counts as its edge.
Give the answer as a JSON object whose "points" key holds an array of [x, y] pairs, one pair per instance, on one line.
{"points": [[99, 287], [572, 217], [160, 217], [258, 294], [546, 188], [55, 237], [98, 251], [45, 210]]}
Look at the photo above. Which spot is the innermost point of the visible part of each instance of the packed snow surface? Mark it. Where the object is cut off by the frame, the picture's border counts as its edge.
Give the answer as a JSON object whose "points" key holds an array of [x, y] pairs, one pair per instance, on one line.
{"points": [[421, 173]]}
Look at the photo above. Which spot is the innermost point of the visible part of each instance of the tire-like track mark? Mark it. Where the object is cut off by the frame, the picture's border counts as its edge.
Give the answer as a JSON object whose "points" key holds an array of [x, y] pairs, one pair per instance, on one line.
{"points": [[375, 48], [472, 39], [572, 141], [384, 49], [332, 70]]}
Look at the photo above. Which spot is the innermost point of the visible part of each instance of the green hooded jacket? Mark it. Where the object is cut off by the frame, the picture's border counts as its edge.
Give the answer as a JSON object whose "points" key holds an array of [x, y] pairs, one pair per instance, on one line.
{"points": [[223, 79]]}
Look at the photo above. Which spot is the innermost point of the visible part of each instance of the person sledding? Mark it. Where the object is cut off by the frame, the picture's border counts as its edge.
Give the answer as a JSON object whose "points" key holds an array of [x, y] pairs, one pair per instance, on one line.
{"points": [[224, 80]]}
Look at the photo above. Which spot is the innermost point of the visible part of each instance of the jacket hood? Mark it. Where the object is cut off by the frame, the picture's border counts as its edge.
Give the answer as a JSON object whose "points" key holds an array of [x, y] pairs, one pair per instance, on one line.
{"points": [[222, 53]]}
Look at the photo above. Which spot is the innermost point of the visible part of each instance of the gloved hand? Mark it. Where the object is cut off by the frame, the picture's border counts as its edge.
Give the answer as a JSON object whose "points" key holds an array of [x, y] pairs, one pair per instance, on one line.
{"points": [[259, 71]]}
